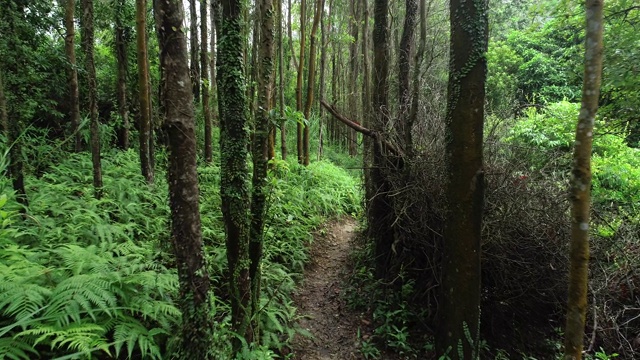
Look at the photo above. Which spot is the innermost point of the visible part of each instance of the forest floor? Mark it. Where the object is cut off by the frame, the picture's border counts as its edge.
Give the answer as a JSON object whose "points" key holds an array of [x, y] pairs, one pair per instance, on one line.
{"points": [[337, 330]]}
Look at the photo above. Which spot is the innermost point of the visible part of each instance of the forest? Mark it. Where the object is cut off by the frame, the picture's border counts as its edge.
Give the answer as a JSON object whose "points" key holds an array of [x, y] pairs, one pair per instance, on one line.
{"points": [[176, 174]]}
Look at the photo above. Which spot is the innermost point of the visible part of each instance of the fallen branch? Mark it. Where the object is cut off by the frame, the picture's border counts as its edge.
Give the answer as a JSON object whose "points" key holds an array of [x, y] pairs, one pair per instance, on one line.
{"points": [[361, 129]]}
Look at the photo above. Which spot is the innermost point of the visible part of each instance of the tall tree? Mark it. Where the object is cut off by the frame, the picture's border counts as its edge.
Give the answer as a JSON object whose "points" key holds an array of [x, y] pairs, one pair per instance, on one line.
{"points": [[204, 65], [300, 78], [72, 72], [260, 151], [283, 125], [183, 184], [354, 71], [215, 18], [311, 78], [459, 323], [415, 100], [90, 68], [234, 186], [581, 183], [193, 41], [143, 91], [121, 83], [404, 69]]}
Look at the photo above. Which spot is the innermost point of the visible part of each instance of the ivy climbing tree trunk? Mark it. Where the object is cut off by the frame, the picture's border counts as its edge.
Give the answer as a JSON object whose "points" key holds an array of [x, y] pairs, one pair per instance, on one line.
{"points": [[193, 41], [581, 183], [260, 153], [143, 91], [311, 78], [459, 323], [183, 184], [72, 72], [299, 79], [204, 65], [234, 186], [121, 83], [90, 68]]}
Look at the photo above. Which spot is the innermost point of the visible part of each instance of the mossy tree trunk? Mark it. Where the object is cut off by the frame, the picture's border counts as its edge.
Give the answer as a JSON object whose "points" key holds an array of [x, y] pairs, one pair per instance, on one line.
{"points": [[121, 82], [183, 184], [234, 180], [143, 91], [311, 79], [458, 334], [260, 152], [72, 72], [92, 93], [204, 65], [581, 184]]}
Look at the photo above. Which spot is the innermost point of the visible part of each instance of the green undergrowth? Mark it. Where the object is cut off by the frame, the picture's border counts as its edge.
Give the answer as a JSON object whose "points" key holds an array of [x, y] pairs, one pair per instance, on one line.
{"points": [[83, 278]]}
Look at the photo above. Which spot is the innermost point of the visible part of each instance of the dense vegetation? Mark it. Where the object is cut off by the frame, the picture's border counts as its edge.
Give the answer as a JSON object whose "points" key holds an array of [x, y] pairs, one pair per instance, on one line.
{"points": [[91, 271]]}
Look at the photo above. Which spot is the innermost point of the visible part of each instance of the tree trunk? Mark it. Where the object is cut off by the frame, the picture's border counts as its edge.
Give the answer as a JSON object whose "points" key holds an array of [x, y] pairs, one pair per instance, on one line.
{"points": [[293, 53], [143, 91], [283, 124], [215, 18], [354, 71], [260, 153], [233, 168], [311, 78], [404, 69], [204, 65], [299, 80], [183, 185], [72, 72], [415, 100], [366, 96], [121, 85], [323, 68], [459, 324], [90, 68], [581, 184], [193, 41]]}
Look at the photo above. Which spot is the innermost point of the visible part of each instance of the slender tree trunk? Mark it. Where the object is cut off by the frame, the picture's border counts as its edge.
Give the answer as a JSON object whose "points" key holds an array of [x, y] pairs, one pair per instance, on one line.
{"points": [[283, 124], [121, 87], [143, 91], [404, 70], [581, 183], [204, 66], [323, 67], [90, 68], [354, 71], [293, 53], [311, 78], [299, 104], [72, 72], [415, 100], [366, 80], [459, 323], [233, 167], [193, 42], [183, 185], [260, 153], [215, 18]]}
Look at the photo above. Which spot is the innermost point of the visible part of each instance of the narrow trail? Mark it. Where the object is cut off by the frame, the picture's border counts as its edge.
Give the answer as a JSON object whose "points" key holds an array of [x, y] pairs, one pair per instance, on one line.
{"points": [[324, 313]]}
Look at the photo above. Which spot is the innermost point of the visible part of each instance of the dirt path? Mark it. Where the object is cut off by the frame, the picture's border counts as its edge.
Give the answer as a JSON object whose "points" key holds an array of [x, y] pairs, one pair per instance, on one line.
{"points": [[325, 315]]}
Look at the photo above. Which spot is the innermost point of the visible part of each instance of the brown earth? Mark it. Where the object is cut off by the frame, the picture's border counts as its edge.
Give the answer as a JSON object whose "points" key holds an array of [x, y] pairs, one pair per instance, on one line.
{"points": [[321, 307]]}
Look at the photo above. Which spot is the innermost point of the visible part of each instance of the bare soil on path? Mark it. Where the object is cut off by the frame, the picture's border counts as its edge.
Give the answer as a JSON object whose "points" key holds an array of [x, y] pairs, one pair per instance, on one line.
{"points": [[320, 305]]}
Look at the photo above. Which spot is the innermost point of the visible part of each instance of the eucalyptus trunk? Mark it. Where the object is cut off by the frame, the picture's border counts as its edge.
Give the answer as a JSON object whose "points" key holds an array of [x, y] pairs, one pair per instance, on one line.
{"points": [[143, 91], [459, 323], [581, 183], [234, 182], [92, 93], [186, 232], [72, 72]]}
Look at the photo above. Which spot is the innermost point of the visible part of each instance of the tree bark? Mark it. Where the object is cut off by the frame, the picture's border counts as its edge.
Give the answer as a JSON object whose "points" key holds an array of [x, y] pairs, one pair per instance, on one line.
{"points": [[415, 100], [283, 124], [354, 71], [299, 80], [90, 68], [204, 65], [215, 18], [260, 153], [72, 72], [194, 58], [581, 184], [121, 86], [183, 184], [143, 91], [459, 324], [404, 69], [234, 188], [311, 78]]}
